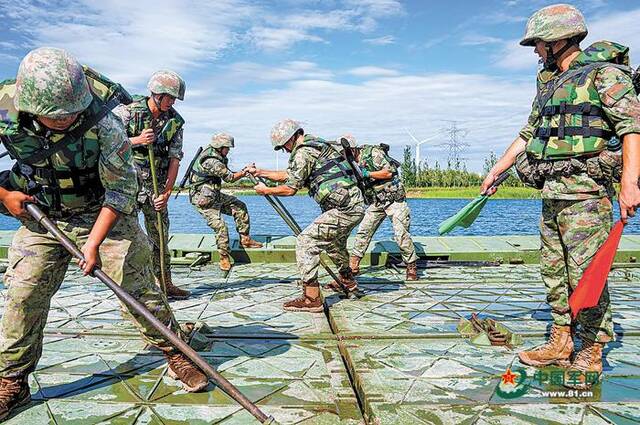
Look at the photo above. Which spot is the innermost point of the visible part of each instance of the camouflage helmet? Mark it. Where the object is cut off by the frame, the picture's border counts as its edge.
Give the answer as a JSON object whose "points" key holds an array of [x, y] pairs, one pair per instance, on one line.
{"points": [[167, 82], [553, 23], [283, 131], [350, 139], [222, 140], [51, 83]]}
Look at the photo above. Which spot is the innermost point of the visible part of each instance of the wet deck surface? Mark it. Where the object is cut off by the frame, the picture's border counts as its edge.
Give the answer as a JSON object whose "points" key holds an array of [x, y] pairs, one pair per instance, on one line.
{"points": [[392, 357]]}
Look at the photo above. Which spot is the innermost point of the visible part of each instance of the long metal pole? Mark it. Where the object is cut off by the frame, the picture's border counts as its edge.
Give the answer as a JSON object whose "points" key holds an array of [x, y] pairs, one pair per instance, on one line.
{"points": [[159, 223], [277, 205], [139, 308]]}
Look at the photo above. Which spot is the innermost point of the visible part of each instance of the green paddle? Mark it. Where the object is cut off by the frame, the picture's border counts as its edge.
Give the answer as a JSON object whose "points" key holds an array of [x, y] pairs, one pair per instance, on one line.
{"points": [[467, 215]]}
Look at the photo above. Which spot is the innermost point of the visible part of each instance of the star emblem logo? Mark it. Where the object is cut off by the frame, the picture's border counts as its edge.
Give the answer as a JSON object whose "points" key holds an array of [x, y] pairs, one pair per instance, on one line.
{"points": [[509, 377]]}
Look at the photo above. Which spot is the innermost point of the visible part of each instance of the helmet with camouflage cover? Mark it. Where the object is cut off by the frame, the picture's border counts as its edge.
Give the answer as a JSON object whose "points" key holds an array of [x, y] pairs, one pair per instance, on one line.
{"points": [[350, 139], [167, 82], [553, 23], [51, 83], [283, 131], [222, 140]]}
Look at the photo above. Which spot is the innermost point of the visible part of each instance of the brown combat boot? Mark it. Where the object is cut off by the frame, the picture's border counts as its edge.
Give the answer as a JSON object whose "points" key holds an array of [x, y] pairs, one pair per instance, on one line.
{"points": [[308, 302], [587, 361], [247, 242], [225, 263], [347, 282], [412, 271], [176, 293], [556, 350], [354, 263], [14, 392], [183, 369]]}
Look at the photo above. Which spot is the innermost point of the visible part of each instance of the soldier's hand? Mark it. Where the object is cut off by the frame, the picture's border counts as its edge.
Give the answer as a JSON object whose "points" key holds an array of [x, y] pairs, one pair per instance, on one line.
{"points": [[14, 203], [91, 258], [160, 203], [260, 188], [485, 188], [251, 169], [629, 199], [145, 138]]}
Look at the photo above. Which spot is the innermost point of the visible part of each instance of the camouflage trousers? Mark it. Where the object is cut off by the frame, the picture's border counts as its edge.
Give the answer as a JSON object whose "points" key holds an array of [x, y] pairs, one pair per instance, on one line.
{"points": [[571, 233], [228, 205], [151, 226], [329, 232], [400, 216], [37, 266]]}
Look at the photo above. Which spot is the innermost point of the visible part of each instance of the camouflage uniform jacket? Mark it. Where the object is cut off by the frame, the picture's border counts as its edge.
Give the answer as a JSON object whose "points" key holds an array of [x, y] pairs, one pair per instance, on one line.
{"points": [[168, 129], [374, 158], [209, 171], [307, 161], [621, 110], [103, 148]]}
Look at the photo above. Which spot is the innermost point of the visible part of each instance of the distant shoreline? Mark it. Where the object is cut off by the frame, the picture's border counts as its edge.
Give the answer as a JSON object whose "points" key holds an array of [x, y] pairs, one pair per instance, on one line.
{"points": [[426, 192]]}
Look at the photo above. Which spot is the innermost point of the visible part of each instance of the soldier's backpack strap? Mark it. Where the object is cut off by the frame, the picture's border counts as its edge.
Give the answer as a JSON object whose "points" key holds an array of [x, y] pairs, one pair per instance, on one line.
{"points": [[72, 136], [578, 72]]}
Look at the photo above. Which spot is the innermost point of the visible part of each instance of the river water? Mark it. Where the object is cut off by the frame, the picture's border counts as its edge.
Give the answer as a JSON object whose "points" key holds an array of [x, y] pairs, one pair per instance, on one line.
{"points": [[499, 217]]}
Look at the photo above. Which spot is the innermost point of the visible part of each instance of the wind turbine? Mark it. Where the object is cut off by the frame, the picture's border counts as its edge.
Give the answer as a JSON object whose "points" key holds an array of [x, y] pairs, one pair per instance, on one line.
{"points": [[418, 143]]}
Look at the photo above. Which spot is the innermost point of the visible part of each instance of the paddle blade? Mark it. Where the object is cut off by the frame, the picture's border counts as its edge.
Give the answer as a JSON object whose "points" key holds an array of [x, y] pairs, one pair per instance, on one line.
{"points": [[591, 284], [465, 217]]}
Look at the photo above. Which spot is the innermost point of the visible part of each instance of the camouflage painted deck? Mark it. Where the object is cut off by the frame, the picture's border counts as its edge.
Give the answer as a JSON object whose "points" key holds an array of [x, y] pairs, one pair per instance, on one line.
{"points": [[392, 357]]}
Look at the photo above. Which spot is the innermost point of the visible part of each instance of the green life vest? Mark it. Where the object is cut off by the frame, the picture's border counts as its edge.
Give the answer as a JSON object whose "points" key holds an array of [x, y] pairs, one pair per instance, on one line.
{"points": [[60, 169], [366, 161], [572, 121], [165, 128], [330, 172], [199, 175]]}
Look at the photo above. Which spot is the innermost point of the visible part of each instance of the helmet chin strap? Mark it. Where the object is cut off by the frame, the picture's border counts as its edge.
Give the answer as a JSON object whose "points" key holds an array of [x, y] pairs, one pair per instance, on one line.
{"points": [[551, 62], [157, 102]]}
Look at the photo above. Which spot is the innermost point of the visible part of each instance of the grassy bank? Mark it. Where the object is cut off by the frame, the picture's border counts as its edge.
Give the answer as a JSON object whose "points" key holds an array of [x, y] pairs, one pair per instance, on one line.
{"points": [[470, 192]]}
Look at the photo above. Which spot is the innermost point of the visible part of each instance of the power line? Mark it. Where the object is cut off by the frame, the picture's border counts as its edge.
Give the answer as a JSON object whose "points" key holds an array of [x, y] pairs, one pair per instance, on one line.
{"points": [[455, 145]]}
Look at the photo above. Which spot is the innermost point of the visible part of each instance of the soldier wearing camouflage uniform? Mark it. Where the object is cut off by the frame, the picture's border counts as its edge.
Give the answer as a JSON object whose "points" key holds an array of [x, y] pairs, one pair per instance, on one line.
{"points": [[388, 200], [88, 188], [152, 120], [318, 166], [584, 99], [209, 170]]}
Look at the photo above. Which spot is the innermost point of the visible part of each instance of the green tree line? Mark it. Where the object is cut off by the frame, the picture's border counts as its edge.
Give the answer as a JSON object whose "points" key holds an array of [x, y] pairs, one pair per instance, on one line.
{"points": [[450, 175]]}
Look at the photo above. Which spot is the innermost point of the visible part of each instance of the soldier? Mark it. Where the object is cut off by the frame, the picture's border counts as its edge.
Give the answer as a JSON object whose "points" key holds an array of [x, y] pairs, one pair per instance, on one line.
{"points": [[209, 169], [389, 200], [152, 120], [584, 98], [318, 166], [86, 183]]}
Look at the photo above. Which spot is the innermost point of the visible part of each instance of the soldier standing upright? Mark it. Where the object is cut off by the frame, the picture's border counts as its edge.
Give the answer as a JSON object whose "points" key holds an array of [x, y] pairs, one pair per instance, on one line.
{"points": [[388, 199], [74, 160], [318, 166], [209, 170], [584, 98], [152, 120]]}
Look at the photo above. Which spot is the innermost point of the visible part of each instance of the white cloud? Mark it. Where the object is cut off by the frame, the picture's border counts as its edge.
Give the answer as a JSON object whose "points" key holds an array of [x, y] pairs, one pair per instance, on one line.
{"points": [[279, 38], [372, 71], [621, 27], [129, 40], [378, 109], [381, 41], [478, 40]]}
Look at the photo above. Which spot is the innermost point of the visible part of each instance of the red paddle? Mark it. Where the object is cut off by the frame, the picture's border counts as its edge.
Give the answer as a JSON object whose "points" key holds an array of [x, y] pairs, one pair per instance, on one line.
{"points": [[591, 284]]}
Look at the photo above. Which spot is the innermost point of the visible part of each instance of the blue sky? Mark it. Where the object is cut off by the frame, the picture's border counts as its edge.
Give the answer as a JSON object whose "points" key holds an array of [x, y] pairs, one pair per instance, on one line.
{"points": [[378, 69]]}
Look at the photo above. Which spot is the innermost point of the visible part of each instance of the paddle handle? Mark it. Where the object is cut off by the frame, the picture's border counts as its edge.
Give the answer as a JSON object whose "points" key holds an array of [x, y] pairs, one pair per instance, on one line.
{"points": [[501, 178]]}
